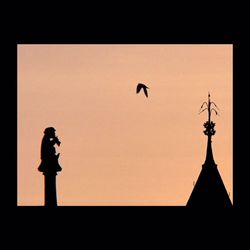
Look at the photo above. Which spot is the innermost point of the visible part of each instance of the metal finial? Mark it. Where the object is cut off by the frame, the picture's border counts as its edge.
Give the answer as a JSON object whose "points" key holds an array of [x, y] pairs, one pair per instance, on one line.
{"points": [[208, 108], [209, 125]]}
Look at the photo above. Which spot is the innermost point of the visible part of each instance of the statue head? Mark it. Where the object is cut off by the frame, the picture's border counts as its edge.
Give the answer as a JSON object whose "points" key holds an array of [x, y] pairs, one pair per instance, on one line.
{"points": [[50, 132]]}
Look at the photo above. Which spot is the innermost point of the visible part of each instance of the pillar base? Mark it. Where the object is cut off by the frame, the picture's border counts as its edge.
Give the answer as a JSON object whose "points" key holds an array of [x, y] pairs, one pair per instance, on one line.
{"points": [[50, 189]]}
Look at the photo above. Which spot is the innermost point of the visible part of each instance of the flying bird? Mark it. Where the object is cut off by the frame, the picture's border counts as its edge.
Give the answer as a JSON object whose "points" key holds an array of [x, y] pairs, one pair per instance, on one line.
{"points": [[142, 86]]}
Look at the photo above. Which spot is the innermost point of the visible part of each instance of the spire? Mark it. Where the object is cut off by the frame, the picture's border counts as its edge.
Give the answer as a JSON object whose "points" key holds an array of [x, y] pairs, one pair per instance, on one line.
{"points": [[209, 189], [209, 130]]}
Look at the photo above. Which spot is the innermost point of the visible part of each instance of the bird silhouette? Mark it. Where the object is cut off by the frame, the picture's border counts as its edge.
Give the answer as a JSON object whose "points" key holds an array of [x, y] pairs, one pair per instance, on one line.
{"points": [[142, 86]]}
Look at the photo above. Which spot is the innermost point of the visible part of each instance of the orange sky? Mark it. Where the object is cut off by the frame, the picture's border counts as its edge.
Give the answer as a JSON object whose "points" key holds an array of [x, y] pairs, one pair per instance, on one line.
{"points": [[120, 148]]}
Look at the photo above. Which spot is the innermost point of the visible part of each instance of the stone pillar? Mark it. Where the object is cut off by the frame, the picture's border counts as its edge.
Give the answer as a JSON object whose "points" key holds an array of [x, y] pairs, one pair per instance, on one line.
{"points": [[50, 197]]}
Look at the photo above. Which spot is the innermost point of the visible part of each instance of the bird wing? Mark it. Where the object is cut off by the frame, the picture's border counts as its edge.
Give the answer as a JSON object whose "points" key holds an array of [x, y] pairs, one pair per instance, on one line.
{"points": [[145, 91], [138, 88]]}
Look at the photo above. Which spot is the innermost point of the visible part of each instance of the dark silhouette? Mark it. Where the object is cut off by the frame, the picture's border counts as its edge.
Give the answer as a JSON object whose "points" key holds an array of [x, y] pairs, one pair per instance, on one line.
{"points": [[48, 153], [209, 189], [49, 165], [142, 86]]}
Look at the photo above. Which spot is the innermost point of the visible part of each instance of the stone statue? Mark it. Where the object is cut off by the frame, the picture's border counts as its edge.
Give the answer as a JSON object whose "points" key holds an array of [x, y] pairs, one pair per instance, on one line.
{"points": [[49, 158]]}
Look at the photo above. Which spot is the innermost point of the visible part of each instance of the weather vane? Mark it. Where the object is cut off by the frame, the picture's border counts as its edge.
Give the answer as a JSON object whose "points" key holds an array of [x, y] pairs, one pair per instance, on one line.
{"points": [[209, 125]]}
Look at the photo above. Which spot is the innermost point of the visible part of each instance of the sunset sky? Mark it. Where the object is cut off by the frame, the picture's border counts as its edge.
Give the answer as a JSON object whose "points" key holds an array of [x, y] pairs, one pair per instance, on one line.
{"points": [[119, 147]]}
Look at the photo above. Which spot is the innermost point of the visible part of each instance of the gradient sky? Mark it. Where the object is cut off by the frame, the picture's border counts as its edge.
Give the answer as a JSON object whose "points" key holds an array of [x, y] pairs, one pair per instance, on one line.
{"points": [[119, 147]]}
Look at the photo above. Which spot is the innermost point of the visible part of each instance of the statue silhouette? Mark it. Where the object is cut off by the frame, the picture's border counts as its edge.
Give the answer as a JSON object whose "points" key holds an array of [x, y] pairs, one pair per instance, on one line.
{"points": [[49, 158]]}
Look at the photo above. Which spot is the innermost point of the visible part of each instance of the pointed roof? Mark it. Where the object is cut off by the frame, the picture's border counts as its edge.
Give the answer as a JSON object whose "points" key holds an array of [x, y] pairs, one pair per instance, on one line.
{"points": [[209, 189]]}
